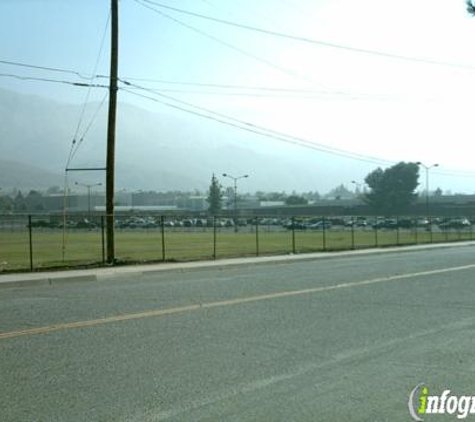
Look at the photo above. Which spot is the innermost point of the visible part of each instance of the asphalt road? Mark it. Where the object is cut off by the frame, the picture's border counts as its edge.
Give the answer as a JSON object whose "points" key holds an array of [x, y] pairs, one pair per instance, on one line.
{"points": [[342, 339]]}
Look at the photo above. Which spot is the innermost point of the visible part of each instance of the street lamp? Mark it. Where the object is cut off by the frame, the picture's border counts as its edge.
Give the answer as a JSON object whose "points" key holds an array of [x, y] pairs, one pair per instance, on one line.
{"points": [[235, 179], [427, 183], [358, 186], [125, 196], [88, 193]]}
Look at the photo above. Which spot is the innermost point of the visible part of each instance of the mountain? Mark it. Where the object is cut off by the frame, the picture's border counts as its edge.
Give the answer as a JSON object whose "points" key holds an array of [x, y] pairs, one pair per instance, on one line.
{"points": [[25, 177], [154, 151]]}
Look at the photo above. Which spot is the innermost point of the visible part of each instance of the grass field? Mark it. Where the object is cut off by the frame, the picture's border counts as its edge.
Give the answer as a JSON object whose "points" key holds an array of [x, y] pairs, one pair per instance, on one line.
{"points": [[85, 247]]}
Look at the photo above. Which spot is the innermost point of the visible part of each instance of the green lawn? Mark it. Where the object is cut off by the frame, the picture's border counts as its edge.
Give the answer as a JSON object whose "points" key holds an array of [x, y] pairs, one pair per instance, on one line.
{"points": [[85, 247]]}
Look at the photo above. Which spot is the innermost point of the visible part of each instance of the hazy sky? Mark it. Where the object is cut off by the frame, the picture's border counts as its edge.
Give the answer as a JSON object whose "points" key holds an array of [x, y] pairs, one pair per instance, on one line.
{"points": [[371, 104]]}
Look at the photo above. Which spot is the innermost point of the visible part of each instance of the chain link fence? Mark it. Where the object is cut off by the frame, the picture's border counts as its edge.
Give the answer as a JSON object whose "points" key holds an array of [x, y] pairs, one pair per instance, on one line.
{"points": [[35, 242]]}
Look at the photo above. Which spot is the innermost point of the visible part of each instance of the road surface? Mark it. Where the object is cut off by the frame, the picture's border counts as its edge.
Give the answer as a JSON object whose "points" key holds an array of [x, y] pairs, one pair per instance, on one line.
{"points": [[342, 339]]}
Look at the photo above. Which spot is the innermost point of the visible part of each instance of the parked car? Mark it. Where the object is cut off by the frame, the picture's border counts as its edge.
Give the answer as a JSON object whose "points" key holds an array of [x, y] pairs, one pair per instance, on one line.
{"points": [[337, 221], [459, 223], [295, 225], [388, 223], [319, 225], [405, 223], [423, 222], [357, 222], [85, 224]]}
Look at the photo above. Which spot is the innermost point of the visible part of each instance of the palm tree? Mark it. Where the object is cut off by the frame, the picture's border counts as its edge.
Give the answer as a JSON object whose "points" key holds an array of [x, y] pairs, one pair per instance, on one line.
{"points": [[470, 7]]}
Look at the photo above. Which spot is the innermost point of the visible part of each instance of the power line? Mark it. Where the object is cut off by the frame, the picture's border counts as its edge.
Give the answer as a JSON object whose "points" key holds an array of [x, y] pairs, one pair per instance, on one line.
{"points": [[302, 91], [449, 173], [172, 82], [250, 127], [280, 136], [75, 145], [228, 45], [302, 96], [163, 81], [34, 78], [51, 69], [230, 86], [288, 94], [308, 40], [91, 122]]}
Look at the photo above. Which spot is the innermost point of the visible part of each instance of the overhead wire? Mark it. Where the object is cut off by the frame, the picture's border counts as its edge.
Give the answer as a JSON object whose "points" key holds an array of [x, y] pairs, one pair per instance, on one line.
{"points": [[290, 94], [282, 69], [251, 127], [302, 96], [95, 114], [277, 135], [224, 86], [305, 39], [58, 81], [302, 91], [75, 143], [162, 81], [448, 172], [51, 69]]}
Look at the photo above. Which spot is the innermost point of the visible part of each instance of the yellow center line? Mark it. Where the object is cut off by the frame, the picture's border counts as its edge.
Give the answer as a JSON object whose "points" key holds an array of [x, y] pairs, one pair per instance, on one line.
{"points": [[223, 303]]}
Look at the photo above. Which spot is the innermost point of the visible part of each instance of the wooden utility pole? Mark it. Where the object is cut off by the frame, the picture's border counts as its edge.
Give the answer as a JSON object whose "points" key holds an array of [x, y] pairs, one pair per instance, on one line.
{"points": [[110, 161]]}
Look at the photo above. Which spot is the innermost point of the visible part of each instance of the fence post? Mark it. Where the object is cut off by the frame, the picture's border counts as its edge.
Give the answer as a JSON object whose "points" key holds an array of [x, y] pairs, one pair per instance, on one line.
{"points": [[324, 235], [257, 236], [376, 243], [103, 240], [415, 231], [431, 240], [397, 231], [214, 237], [353, 222], [293, 235], [30, 233], [162, 225]]}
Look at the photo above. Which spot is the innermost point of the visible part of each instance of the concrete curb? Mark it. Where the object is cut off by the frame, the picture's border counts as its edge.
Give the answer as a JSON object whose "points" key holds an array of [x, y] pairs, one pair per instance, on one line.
{"points": [[104, 274]]}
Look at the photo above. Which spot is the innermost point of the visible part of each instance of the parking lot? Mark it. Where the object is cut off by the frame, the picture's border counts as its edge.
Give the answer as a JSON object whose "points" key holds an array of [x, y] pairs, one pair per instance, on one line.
{"points": [[52, 241]]}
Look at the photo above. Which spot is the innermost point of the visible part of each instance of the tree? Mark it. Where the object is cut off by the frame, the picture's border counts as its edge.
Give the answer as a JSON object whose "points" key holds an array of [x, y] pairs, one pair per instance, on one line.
{"points": [[392, 189], [296, 200], [340, 192], [470, 7], [19, 202], [6, 203], [215, 197], [34, 201], [53, 190]]}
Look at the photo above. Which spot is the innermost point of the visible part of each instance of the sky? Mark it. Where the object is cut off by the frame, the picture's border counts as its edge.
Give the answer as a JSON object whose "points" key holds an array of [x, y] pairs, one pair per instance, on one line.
{"points": [[408, 97]]}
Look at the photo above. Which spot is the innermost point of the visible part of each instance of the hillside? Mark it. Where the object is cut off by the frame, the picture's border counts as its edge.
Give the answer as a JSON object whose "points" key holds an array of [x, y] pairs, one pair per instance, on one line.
{"points": [[163, 151]]}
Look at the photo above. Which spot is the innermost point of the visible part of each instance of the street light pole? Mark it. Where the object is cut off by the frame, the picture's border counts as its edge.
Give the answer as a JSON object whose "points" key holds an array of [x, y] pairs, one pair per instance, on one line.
{"points": [[357, 186], [427, 168], [88, 193], [235, 179]]}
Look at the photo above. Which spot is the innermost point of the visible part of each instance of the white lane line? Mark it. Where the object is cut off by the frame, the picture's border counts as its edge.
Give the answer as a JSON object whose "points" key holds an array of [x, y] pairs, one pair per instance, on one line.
{"points": [[223, 303]]}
